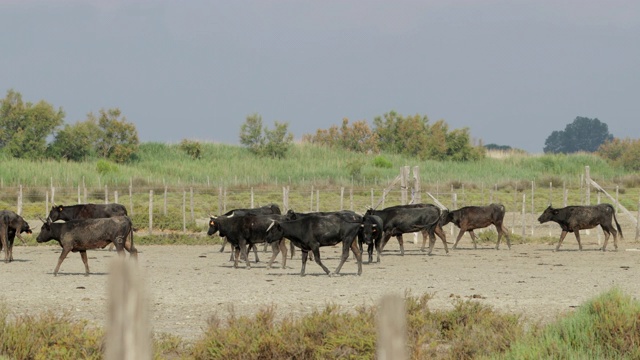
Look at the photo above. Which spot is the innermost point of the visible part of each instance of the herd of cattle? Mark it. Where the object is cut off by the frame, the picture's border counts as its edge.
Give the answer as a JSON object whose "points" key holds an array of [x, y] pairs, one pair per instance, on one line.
{"points": [[92, 226]]}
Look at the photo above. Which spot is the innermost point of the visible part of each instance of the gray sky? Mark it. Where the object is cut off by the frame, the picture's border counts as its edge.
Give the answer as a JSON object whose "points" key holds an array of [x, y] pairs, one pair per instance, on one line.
{"points": [[511, 71]]}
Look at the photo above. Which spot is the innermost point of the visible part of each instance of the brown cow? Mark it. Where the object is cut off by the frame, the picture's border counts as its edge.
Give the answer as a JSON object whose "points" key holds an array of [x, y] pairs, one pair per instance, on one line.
{"points": [[575, 218], [469, 218]]}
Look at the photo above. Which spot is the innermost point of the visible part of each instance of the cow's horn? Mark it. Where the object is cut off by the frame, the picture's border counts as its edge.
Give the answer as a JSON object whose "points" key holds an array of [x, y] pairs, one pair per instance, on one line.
{"points": [[213, 216], [271, 225], [231, 214]]}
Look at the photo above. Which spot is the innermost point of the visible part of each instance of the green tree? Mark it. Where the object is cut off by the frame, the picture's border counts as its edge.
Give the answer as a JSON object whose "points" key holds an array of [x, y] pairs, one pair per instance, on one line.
{"points": [[625, 153], [263, 141], [75, 142], [277, 141], [24, 127], [583, 134], [358, 137], [117, 139], [251, 133]]}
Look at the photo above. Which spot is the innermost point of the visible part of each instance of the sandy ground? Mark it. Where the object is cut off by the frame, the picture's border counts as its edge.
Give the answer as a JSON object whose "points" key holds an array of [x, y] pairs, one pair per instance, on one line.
{"points": [[188, 284]]}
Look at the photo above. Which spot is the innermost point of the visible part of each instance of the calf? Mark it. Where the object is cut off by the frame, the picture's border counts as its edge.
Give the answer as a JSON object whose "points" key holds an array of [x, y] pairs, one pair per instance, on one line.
{"points": [[371, 234], [575, 218], [11, 224], [398, 220], [469, 218], [311, 232], [83, 235]]}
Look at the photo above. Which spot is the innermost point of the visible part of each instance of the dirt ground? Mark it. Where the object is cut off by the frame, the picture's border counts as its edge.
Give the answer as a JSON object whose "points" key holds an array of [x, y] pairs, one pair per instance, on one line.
{"points": [[188, 284]]}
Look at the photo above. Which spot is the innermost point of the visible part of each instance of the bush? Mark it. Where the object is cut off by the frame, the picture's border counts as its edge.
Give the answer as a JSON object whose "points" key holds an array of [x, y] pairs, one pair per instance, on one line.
{"points": [[192, 148], [104, 167], [382, 162]]}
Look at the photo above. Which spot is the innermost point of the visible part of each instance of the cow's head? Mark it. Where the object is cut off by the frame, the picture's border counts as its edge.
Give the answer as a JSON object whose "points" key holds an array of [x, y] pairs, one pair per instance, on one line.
{"points": [[291, 215], [45, 231], [56, 212], [548, 215], [213, 225], [446, 217], [25, 228], [369, 232]]}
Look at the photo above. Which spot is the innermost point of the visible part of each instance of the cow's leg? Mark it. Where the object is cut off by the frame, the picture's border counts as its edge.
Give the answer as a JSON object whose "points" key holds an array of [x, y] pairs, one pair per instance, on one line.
{"points": [[235, 254], [440, 233], [224, 243], [276, 247], [474, 238], [378, 244], [282, 245], [577, 234], [264, 247], [563, 234], [506, 235], [384, 241], [345, 255], [83, 255], [60, 259], [128, 245], [243, 248], [255, 251], [460, 233], [305, 254], [606, 240], [401, 243], [370, 252], [316, 257], [4, 237]]}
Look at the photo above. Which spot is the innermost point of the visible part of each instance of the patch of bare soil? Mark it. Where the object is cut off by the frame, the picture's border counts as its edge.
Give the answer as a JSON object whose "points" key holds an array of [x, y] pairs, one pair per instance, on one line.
{"points": [[187, 284]]}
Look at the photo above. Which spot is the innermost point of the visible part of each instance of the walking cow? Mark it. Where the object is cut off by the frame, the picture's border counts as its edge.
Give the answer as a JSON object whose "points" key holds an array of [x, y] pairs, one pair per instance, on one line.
{"points": [[83, 235], [575, 218], [469, 218], [11, 224]]}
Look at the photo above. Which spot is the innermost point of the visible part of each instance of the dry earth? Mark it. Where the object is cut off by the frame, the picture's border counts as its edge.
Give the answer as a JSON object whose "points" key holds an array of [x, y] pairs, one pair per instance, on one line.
{"points": [[188, 284]]}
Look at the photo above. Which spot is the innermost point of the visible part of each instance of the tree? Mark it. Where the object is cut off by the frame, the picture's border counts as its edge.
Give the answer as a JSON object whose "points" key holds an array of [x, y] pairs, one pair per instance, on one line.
{"points": [[625, 153], [274, 143], [251, 133], [24, 127], [117, 139], [358, 137], [583, 134], [75, 142]]}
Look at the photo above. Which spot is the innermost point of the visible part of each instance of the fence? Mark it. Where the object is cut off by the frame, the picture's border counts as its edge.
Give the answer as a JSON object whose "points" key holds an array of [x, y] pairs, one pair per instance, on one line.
{"points": [[150, 206]]}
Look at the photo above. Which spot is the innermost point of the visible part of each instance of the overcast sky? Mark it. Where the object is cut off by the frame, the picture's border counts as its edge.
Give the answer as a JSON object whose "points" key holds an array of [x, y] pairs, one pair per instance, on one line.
{"points": [[511, 71]]}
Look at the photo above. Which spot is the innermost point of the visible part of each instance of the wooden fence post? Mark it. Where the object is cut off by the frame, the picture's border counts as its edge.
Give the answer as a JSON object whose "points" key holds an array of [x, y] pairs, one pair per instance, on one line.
{"points": [[164, 207], [311, 200], [193, 216], [150, 211], [252, 206], [524, 203], [79, 200], [533, 218], [131, 196], [317, 200], [392, 329], [184, 211], [587, 173], [128, 333], [115, 196], [638, 222], [341, 198], [19, 212], [46, 204]]}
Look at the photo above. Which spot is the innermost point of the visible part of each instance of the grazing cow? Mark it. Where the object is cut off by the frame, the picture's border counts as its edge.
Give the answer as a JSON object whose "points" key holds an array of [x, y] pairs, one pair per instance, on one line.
{"points": [[86, 234], [575, 218], [311, 232], [372, 229], [262, 210], [11, 224], [86, 211], [402, 219], [245, 230], [469, 218]]}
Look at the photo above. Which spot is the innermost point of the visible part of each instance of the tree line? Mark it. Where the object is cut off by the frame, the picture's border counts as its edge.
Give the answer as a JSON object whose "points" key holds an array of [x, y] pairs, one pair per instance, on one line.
{"points": [[25, 128]]}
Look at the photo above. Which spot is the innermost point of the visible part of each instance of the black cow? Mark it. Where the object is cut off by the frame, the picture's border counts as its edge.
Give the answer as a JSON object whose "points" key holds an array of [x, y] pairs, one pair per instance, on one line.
{"points": [[575, 218], [86, 211], [371, 234], [469, 218], [86, 234], [248, 229], [262, 210], [311, 232], [402, 219], [11, 224]]}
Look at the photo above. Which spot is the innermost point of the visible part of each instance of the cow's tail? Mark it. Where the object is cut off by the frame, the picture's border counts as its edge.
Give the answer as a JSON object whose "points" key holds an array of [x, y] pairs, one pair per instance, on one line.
{"points": [[616, 220]]}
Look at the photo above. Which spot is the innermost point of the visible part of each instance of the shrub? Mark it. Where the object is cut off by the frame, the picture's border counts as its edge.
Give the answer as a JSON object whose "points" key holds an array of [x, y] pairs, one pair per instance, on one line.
{"points": [[382, 162], [192, 148]]}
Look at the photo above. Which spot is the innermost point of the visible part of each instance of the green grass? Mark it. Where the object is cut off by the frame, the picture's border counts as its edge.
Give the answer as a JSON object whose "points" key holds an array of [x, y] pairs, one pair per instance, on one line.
{"points": [[605, 327]]}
